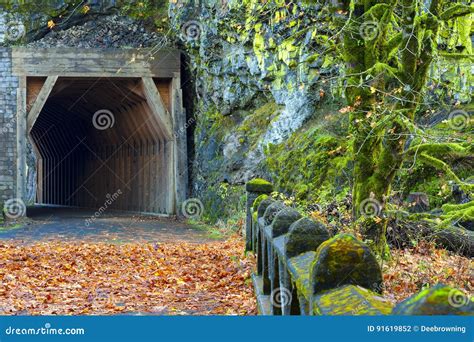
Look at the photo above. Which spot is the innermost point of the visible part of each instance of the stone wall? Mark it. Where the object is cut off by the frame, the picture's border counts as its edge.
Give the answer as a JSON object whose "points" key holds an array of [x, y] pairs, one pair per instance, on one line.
{"points": [[8, 90], [303, 270]]}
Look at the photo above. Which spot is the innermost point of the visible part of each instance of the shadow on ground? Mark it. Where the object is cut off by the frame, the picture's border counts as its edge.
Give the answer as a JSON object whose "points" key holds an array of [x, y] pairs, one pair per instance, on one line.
{"points": [[70, 224]]}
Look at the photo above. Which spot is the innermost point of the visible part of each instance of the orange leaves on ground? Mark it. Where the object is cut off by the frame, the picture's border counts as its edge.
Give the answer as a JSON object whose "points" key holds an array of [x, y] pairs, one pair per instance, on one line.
{"points": [[81, 278], [411, 270]]}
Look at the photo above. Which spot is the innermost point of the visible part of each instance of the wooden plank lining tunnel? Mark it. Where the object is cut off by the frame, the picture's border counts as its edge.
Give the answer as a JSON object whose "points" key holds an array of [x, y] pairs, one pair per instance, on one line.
{"points": [[102, 126]]}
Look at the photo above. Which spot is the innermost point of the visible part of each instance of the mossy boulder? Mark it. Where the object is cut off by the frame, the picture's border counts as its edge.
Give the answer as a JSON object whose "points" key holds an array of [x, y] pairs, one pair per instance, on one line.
{"points": [[350, 300], [305, 235], [283, 220], [438, 300], [258, 200], [271, 212], [259, 185], [262, 207], [345, 260]]}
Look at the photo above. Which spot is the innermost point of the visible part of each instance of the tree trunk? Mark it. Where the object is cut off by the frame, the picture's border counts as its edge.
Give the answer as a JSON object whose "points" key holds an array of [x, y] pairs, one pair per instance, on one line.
{"points": [[379, 126]]}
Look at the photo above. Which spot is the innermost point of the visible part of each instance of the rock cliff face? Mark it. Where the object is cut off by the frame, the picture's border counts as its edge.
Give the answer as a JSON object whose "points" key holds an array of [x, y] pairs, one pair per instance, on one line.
{"points": [[262, 72], [269, 88]]}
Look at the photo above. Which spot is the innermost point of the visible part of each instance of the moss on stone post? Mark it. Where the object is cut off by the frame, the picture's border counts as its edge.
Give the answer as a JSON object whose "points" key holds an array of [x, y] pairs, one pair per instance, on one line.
{"points": [[437, 300], [255, 188]]}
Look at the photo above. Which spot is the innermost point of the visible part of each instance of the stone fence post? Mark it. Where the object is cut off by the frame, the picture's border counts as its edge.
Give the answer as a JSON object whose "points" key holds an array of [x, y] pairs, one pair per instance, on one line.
{"points": [[255, 188], [303, 270]]}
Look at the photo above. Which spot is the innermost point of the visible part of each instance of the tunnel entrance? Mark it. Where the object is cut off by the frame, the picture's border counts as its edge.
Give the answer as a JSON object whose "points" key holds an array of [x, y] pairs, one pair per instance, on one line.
{"points": [[104, 134], [97, 140]]}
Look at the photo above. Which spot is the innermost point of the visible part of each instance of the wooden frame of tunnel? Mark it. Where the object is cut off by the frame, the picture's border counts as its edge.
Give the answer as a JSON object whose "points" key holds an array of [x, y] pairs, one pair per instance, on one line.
{"points": [[153, 168]]}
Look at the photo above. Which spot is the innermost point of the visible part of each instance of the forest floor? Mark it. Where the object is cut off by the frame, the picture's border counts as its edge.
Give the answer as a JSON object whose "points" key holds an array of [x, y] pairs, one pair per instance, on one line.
{"points": [[137, 271], [414, 269]]}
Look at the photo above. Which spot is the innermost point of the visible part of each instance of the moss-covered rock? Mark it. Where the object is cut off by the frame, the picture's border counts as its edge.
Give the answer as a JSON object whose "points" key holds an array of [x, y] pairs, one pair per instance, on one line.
{"points": [[305, 235], [259, 185], [283, 220], [313, 164], [350, 300], [345, 260], [271, 212], [258, 200], [438, 300], [262, 207]]}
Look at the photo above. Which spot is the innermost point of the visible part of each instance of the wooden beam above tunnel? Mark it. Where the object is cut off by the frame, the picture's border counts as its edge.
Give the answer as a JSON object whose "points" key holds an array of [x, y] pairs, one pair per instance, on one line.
{"points": [[73, 62]]}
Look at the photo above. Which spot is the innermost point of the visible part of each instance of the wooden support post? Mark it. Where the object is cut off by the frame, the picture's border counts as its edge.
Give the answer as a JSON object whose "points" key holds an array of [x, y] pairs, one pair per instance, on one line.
{"points": [[41, 100], [170, 147], [180, 134], [21, 135], [157, 106]]}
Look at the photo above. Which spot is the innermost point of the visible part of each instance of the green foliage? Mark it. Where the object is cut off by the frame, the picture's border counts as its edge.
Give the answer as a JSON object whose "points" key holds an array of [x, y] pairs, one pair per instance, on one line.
{"points": [[456, 213], [388, 67], [312, 165], [156, 10], [257, 122], [452, 151], [223, 202]]}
